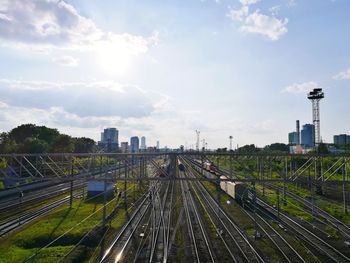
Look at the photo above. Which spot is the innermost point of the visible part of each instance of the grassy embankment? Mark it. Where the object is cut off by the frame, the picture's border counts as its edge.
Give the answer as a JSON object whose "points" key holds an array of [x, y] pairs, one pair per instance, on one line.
{"points": [[22, 244]]}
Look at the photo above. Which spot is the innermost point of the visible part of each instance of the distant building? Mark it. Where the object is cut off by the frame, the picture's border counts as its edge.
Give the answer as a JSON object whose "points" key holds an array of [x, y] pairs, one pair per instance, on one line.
{"points": [[134, 144], [293, 138], [341, 140], [109, 140], [307, 136], [151, 149], [157, 145], [143, 143], [124, 147]]}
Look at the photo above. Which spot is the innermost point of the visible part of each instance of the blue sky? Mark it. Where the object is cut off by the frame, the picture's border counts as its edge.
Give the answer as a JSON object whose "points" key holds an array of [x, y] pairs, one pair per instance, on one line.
{"points": [[166, 68]]}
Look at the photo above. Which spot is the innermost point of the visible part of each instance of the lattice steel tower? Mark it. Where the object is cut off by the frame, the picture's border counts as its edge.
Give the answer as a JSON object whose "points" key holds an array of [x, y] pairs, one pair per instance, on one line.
{"points": [[197, 141], [315, 96]]}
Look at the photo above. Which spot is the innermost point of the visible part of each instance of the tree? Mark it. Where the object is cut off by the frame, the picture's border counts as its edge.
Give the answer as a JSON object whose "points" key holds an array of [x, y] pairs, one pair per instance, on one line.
{"points": [[248, 149], [33, 145], [47, 134], [322, 148], [20, 133], [281, 147], [7, 145], [84, 145], [29, 138], [221, 150], [63, 144]]}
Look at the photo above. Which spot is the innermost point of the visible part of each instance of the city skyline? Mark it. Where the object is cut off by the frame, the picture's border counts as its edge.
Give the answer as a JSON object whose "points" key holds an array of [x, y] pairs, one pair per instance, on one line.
{"points": [[235, 67]]}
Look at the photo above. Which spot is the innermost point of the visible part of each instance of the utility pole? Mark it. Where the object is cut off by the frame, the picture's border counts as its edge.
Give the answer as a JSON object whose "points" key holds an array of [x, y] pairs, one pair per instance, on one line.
{"points": [[278, 203], [104, 202], [344, 173], [254, 210], [71, 184]]}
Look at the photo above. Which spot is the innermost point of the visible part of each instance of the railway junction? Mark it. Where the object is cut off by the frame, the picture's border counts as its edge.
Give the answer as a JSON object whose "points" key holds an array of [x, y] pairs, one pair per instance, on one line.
{"points": [[174, 207]]}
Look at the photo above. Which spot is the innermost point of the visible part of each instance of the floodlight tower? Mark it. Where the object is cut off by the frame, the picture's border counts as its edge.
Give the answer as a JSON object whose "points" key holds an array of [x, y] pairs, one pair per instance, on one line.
{"points": [[315, 96], [203, 144], [197, 142], [230, 142]]}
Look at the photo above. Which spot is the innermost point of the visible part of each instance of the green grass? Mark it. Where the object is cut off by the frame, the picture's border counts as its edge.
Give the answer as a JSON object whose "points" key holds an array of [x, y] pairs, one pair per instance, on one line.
{"points": [[333, 207], [21, 245]]}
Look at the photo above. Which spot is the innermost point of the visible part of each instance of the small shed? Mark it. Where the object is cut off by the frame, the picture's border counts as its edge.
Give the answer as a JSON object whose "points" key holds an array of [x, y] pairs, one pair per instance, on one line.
{"points": [[96, 187]]}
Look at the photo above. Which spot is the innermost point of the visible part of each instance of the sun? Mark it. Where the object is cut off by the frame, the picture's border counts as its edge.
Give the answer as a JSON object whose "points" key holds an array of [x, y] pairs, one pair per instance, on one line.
{"points": [[113, 57]]}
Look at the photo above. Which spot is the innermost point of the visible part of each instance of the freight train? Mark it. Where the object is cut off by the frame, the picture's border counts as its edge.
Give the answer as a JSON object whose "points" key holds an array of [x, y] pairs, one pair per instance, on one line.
{"points": [[164, 169], [236, 190], [210, 167]]}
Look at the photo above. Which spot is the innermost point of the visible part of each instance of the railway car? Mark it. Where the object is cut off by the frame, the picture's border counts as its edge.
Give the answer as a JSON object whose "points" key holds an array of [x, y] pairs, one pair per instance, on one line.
{"points": [[210, 167], [181, 167], [163, 170], [234, 189]]}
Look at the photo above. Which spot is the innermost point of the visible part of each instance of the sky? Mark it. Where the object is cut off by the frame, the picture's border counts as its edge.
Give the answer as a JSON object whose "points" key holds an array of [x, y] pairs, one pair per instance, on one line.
{"points": [[164, 69]]}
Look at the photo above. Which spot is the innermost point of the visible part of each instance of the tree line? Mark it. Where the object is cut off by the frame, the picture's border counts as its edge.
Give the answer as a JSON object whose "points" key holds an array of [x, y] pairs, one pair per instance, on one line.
{"points": [[30, 138]]}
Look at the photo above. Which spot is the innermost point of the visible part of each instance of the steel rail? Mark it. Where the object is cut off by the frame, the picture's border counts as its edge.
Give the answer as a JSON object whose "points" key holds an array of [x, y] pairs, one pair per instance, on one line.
{"points": [[311, 238], [253, 254]]}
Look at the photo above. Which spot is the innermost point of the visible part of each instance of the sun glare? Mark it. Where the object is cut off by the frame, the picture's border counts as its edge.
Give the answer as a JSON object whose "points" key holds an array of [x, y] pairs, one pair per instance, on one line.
{"points": [[113, 58]]}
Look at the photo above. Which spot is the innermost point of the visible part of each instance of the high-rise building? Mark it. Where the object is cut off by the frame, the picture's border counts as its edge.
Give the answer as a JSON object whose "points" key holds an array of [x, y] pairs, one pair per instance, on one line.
{"points": [[307, 136], [341, 140], [293, 138], [134, 144], [109, 140], [157, 147], [124, 147], [143, 143], [110, 135]]}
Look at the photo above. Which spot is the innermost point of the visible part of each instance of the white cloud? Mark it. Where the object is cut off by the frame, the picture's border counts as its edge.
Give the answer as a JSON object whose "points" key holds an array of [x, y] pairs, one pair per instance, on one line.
{"points": [[275, 10], [258, 23], [305, 87], [66, 61], [291, 3], [47, 25], [48, 22], [268, 26], [343, 75], [249, 2], [93, 99], [239, 14]]}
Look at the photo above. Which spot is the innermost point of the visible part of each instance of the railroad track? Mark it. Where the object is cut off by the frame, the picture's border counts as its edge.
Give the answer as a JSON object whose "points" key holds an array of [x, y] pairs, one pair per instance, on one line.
{"points": [[201, 247], [315, 210], [35, 203], [118, 247], [12, 224], [157, 222], [161, 242], [306, 235], [30, 198], [233, 235], [283, 246]]}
